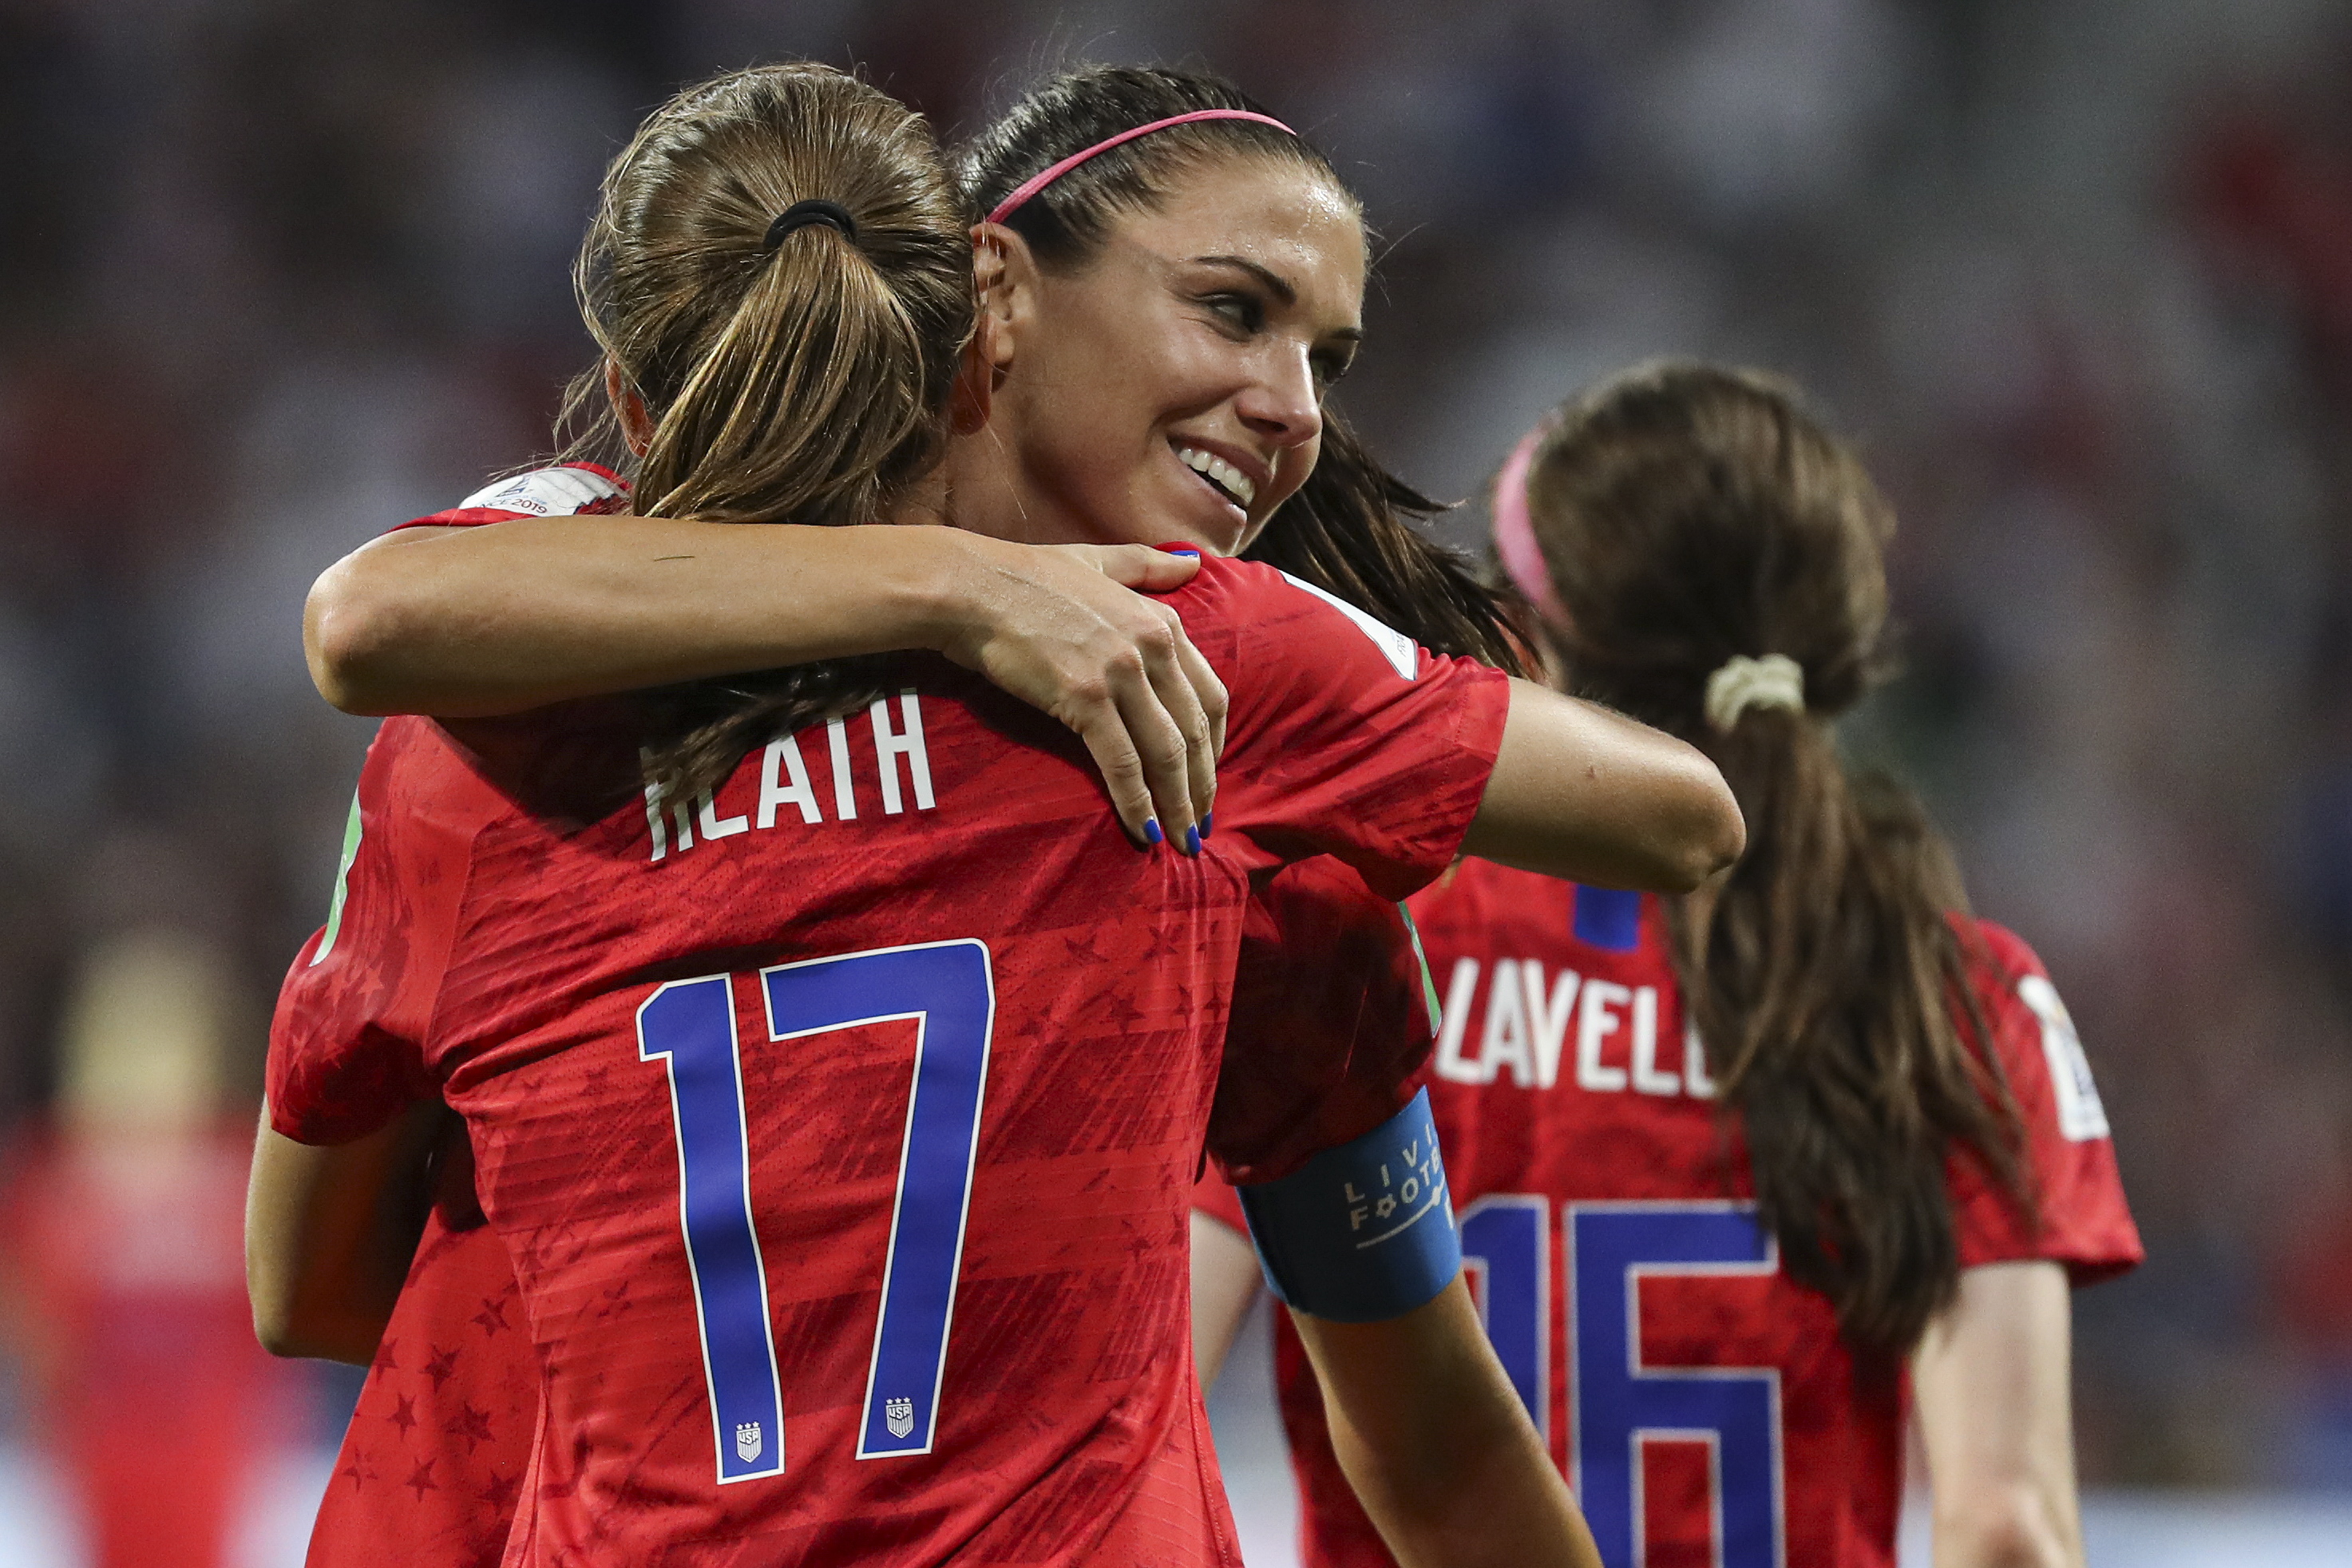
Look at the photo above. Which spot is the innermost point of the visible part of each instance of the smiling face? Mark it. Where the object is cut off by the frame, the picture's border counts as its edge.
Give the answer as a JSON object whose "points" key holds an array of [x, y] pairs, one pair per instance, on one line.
{"points": [[1171, 385]]}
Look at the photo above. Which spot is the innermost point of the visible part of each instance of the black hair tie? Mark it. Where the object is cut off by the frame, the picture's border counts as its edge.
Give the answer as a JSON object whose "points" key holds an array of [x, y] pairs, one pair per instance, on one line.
{"points": [[800, 214]]}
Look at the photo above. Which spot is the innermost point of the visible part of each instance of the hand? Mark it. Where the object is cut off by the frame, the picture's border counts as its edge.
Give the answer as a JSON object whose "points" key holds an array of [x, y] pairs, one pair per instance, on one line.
{"points": [[1061, 627]]}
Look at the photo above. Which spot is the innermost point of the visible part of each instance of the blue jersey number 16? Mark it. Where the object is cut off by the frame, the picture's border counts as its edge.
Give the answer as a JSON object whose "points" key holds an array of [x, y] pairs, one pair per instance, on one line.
{"points": [[689, 1025], [1616, 1402]]}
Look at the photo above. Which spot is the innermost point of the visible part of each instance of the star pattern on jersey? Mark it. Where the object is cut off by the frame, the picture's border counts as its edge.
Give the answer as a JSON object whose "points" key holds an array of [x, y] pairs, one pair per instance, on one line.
{"points": [[498, 1493], [1123, 1015], [404, 1416], [472, 1425], [357, 1471], [387, 1356], [1083, 947], [1159, 944], [610, 1268]]}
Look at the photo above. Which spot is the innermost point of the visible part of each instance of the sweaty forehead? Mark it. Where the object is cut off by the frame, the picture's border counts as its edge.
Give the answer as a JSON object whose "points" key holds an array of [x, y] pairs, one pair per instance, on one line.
{"points": [[1280, 215]]}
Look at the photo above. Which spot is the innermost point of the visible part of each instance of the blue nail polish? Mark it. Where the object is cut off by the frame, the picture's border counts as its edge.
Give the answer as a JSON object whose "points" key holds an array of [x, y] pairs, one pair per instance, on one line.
{"points": [[1193, 554], [1151, 834], [1191, 841], [1208, 823]]}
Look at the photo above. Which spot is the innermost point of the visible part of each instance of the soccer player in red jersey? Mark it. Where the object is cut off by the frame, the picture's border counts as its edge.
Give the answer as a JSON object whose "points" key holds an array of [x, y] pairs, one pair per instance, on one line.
{"points": [[427, 1420], [493, 839], [1745, 1175], [1341, 531]]}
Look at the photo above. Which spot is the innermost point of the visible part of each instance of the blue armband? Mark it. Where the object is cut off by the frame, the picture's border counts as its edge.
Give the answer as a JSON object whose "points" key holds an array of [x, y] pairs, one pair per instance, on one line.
{"points": [[1363, 1232]]}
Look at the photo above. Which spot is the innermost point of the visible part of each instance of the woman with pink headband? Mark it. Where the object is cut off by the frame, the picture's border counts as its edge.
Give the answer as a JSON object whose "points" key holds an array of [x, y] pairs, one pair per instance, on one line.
{"points": [[1122, 370], [1729, 1166]]}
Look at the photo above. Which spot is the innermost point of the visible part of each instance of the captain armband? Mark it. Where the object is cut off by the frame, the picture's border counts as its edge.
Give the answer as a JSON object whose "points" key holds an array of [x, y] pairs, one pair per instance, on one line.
{"points": [[1363, 1232]]}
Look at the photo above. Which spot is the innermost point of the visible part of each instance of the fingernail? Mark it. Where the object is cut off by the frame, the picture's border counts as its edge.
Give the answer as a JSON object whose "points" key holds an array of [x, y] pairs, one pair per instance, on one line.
{"points": [[1208, 823], [1188, 554], [1151, 834], [1191, 841], [1182, 548]]}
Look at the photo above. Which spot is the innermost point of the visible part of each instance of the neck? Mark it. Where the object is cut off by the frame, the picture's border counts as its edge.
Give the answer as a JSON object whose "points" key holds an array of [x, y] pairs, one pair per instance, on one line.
{"points": [[987, 493]]}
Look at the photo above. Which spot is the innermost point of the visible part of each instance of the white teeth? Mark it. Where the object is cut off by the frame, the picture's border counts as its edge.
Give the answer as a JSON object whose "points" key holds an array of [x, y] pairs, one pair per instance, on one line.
{"points": [[1227, 477]]}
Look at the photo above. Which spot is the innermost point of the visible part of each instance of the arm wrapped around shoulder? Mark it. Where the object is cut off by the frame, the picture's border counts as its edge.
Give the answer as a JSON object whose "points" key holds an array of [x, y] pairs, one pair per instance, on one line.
{"points": [[1363, 1232]]}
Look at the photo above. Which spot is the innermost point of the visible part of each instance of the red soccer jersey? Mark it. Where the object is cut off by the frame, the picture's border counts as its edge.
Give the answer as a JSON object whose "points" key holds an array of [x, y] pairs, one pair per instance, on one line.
{"points": [[927, 1296], [1703, 1405], [433, 1459], [431, 1463]]}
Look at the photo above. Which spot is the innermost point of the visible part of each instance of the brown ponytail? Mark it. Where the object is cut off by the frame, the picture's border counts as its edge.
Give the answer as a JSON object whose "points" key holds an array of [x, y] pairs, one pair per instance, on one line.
{"points": [[802, 381], [1687, 515]]}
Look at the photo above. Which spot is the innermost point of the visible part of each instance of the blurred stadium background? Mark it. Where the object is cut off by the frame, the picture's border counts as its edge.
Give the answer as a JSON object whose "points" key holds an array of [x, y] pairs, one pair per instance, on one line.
{"points": [[2077, 273]]}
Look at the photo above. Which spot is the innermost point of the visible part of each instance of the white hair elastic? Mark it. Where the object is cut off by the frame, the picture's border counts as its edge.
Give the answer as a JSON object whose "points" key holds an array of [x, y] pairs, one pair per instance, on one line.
{"points": [[1774, 680]]}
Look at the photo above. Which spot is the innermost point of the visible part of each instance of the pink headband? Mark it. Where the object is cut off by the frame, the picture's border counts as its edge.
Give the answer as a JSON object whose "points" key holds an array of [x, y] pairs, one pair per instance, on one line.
{"points": [[1515, 533], [1036, 183]]}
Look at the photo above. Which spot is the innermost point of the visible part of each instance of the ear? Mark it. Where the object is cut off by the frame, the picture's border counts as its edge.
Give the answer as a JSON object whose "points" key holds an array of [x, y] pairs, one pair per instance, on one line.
{"points": [[637, 424], [974, 393], [1005, 278]]}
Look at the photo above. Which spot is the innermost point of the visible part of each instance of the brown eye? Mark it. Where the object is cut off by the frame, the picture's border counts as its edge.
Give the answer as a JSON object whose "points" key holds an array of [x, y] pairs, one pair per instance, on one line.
{"points": [[1245, 312]]}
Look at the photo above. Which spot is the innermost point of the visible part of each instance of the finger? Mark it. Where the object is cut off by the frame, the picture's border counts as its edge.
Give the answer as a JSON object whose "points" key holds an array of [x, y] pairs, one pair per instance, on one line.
{"points": [[1173, 681], [1142, 568], [1211, 691], [1107, 741], [1160, 748]]}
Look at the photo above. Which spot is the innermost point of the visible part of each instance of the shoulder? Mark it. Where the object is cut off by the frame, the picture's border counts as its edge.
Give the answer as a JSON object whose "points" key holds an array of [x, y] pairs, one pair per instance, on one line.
{"points": [[1266, 606], [2033, 1034], [1999, 957], [2082, 1219], [1479, 908]]}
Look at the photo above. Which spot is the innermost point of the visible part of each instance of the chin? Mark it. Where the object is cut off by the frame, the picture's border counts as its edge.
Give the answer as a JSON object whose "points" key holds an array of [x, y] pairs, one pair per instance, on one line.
{"points": [[1213, 529]]}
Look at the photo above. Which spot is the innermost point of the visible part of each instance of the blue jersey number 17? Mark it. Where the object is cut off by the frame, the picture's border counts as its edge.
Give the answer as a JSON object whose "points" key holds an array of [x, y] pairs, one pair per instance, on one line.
{"points": [[689, 1025]]}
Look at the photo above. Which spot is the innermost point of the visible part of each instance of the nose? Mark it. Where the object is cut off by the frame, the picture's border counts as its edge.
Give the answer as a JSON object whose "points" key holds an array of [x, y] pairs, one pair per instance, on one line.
{"points": [[1282, 405]]}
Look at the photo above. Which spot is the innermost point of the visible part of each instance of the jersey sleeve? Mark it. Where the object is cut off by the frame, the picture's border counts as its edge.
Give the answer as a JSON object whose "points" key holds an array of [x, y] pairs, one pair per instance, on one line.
{"points": [[1333, 1019], [347, 1039], [1343, 738], [2082, 1221], [565, 489]]}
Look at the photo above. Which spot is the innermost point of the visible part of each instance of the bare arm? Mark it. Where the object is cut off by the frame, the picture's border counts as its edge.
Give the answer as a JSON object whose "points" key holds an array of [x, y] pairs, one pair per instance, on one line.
{"points": [[1224, 1288], [1991, 1377], [475, 622], [330, 1234], [1582, 792], [1437, 1444]]}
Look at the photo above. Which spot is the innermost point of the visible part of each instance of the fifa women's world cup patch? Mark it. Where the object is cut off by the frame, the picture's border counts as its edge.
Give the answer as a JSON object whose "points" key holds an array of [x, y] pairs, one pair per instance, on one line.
{"points": [[569, 489], [2081, 1114]]}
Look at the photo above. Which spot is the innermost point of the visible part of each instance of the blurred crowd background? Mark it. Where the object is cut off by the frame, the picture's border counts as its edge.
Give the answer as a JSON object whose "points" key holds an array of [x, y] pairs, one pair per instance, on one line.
{"points": [[2077, 275]]}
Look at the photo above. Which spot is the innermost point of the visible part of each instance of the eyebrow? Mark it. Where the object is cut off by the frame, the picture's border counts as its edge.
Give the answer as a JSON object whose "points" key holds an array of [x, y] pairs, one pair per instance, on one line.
{"points": [[1276, 285]]}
